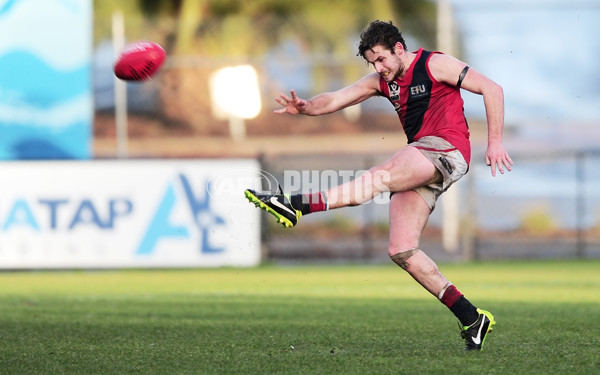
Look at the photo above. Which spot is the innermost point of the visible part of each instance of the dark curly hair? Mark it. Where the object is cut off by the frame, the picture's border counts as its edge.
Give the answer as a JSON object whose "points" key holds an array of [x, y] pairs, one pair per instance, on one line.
{"points": [[379, 33]]}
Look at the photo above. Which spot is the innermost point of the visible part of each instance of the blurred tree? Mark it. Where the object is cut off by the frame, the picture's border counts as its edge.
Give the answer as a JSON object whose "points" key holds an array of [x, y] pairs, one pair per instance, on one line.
{"points": [[249, 28], [238, 27], [241, 30], [144, 19]]}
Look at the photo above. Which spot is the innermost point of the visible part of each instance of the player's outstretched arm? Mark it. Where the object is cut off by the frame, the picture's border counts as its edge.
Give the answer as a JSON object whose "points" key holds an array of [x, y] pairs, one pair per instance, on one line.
{"points": [[329, 102]]}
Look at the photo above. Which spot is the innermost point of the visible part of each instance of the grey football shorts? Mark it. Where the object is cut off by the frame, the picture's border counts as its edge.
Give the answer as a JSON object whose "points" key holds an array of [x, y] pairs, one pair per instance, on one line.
{"points": [[447, 159]]}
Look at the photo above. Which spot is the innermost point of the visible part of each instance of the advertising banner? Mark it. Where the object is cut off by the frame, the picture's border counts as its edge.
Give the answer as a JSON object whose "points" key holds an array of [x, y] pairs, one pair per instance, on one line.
{"points": [[112, 214], [46, 102]]}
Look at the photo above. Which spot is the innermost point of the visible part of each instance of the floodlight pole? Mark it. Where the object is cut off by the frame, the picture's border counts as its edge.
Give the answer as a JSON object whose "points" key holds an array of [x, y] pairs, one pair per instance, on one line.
{"points": [[118, 31], [450, 199], [237, 128]]}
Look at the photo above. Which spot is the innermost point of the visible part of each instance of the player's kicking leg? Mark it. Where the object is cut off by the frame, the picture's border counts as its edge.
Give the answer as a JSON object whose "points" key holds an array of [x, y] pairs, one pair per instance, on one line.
{"points": [[407, 169]]}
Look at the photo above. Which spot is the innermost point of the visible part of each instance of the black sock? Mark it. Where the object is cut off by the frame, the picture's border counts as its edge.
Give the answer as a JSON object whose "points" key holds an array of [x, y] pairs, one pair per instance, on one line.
{"points": [[298, 202], [465, 311]]}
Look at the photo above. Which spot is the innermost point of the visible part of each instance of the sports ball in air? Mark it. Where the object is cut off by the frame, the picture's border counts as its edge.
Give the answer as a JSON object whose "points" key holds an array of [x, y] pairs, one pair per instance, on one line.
{"points": [[139, 61]]}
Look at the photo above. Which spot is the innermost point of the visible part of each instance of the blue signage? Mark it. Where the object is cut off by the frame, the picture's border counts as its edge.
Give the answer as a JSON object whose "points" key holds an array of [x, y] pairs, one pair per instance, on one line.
{"points": [[46, 103]]}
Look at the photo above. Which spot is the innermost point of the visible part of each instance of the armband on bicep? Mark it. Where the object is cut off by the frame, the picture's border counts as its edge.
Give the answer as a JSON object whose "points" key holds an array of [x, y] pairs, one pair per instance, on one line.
{"points": [[462, 76]]}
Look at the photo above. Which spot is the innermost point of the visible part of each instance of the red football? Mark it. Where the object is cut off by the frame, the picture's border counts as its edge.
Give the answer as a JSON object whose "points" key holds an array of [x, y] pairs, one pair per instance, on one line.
{"points": [[139, 61]]}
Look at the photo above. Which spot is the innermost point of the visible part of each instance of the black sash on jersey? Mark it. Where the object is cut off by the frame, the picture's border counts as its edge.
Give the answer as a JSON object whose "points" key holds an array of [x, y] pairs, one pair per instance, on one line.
{"points": [[419, 95]]}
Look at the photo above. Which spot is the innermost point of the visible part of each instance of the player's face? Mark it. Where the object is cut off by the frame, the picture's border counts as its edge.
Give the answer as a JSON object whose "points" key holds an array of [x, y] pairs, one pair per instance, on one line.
{"points": [[387, 63]]}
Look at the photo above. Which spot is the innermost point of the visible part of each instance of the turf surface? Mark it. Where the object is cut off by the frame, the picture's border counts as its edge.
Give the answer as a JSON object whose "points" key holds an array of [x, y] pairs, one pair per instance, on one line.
{"points": [[297, 320]]}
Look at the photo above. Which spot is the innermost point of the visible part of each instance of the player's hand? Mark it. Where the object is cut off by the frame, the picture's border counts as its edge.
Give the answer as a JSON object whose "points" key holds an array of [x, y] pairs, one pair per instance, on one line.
{"points": [[497, 157], [292, 105]]}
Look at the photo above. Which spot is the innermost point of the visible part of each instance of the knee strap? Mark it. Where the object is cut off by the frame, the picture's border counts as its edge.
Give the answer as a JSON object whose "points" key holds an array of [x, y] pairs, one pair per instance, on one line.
{"points": [[402, 257]]}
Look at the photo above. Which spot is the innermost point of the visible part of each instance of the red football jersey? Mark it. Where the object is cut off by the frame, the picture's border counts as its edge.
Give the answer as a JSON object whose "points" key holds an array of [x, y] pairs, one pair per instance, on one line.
{"points": [[427, 107]]}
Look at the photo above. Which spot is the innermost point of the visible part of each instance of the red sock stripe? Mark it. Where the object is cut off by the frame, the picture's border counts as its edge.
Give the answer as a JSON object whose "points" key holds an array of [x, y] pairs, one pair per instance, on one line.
{"points": [[316, 202], [451, 295]]}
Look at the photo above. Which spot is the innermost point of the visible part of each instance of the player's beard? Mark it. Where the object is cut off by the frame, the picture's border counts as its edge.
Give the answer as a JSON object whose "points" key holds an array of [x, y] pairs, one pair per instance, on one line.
{"points": [[400, 71]]}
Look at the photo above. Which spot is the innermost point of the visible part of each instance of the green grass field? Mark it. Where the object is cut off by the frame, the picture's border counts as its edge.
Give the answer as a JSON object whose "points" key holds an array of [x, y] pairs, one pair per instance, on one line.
{"points": [[298, 320]]}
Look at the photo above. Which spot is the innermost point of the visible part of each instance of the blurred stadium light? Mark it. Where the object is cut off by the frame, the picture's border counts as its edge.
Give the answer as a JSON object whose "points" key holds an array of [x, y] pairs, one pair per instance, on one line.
{"points": [[235, 96]]}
